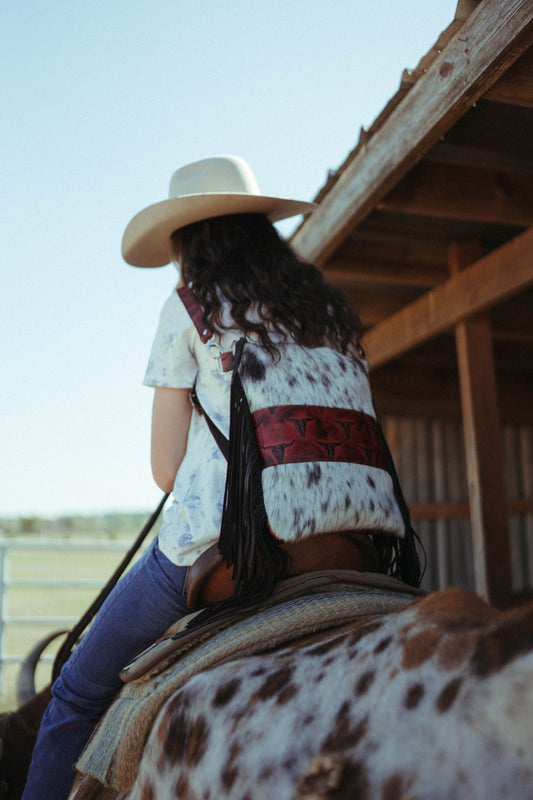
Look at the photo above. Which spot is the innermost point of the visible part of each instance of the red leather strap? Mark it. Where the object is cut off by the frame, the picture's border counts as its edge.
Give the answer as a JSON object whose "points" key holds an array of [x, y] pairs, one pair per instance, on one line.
{"points": [[196, 314], [300, 433]]}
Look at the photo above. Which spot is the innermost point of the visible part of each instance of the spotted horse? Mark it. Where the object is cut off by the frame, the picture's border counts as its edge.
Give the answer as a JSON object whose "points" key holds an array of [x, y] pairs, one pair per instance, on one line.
{"points": [[431, 700]]}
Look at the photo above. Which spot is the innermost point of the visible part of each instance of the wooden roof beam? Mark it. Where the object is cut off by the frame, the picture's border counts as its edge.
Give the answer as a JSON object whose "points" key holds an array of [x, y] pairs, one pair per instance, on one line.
{"points": [[486, 45], [355, 273], [373, 260], [437, 395], [490, 280], [374, 305], [481, 157], [516, 85], [461, 192], [373, 245]]}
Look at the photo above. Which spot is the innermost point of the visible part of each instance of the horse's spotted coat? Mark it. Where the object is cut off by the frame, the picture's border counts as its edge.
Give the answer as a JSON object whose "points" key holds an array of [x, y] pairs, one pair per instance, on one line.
{"points": [[434, 702]]}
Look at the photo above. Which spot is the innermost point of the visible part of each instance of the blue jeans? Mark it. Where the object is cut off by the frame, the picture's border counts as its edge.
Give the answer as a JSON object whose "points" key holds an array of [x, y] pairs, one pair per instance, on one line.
{"points": [[145, 602]]}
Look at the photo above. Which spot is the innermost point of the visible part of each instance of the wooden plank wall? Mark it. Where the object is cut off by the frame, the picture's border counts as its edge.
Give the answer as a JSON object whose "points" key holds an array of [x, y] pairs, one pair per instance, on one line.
{"points": [[430, 460]]}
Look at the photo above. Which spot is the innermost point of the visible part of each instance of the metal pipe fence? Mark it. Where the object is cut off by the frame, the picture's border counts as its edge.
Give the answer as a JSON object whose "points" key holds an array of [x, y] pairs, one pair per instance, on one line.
{"points": [[8, 546]]}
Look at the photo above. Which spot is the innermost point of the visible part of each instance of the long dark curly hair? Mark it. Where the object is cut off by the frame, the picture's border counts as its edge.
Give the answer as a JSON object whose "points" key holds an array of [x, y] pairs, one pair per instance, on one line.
{"points": [[243, 257]]}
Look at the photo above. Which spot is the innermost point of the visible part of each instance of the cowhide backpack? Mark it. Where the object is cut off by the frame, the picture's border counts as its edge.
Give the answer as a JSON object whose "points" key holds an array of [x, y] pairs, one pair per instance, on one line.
{"points": [[306, 456]]}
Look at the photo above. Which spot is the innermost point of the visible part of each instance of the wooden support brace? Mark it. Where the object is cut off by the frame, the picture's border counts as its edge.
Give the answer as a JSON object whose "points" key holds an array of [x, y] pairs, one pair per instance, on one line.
{"points": [[492, 279], [482, 445]]}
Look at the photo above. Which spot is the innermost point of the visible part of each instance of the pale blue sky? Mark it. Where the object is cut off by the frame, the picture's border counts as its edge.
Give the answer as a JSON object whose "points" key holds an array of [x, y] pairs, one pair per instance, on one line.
{"points": [[100, 102]]}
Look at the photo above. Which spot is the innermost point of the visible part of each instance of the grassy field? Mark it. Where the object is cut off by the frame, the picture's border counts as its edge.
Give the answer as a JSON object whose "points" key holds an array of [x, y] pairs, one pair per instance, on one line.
{"points": [[48, 602]]}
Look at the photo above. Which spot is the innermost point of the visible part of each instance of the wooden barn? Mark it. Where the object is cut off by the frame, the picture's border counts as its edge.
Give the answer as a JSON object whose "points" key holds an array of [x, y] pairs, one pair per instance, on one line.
{"points": [[427, 226]]}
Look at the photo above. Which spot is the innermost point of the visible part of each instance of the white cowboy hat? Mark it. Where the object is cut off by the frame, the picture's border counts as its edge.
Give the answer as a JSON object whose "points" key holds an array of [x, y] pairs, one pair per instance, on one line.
{"points": [[212, 187]]}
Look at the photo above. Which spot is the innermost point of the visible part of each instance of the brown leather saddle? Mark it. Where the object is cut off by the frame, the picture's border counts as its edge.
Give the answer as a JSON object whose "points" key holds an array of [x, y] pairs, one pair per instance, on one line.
{"points": [[373, 593], [210, 580]]}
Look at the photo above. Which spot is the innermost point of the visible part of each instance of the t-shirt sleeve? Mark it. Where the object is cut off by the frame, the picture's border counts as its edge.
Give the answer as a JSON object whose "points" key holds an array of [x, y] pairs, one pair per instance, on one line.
{"points": [[172, 363]]}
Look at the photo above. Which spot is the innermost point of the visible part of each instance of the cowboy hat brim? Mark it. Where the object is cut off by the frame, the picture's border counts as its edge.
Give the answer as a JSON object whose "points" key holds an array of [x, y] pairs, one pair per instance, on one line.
{"points": [[146, 240]]}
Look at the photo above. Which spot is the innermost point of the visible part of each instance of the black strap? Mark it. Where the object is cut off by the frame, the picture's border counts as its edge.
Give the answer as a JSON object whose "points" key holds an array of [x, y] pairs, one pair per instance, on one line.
{"points": [[218, 436], [66, 648], [409, 565]]}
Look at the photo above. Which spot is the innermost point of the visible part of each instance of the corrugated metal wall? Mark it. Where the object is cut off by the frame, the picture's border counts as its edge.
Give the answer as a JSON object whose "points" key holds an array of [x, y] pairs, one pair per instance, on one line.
{"points": [[429, 457]]}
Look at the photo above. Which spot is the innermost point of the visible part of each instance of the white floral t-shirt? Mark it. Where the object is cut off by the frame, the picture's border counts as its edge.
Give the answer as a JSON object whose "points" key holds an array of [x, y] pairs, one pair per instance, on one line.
{"points": [[179, 358]]}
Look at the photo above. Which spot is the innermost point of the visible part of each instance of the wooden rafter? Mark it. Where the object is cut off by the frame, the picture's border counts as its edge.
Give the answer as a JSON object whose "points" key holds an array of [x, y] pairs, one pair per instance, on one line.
{"points": [[436, 394], [516, 86], [463, 192], [490, 280], [481, 157], [375, 306], [501, 128], [347, 273], [371, 260], [486, 45]]}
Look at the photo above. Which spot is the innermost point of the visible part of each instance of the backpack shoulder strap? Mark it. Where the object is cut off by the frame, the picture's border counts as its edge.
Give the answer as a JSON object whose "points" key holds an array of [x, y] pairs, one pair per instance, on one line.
{"points": [[195, 312], [218, 436], [226, 362]]}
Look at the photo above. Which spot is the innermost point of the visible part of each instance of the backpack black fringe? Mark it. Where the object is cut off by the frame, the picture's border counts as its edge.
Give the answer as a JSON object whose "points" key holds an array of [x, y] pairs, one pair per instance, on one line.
{"points": [[246, 542]]}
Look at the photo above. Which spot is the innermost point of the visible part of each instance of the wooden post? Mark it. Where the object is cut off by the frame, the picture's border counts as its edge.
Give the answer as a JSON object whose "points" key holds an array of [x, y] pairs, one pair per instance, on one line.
{"points": [[482, 444]]}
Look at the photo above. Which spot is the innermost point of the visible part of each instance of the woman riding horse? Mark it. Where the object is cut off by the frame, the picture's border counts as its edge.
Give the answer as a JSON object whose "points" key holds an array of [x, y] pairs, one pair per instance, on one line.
{"points": [[217, 227]]}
